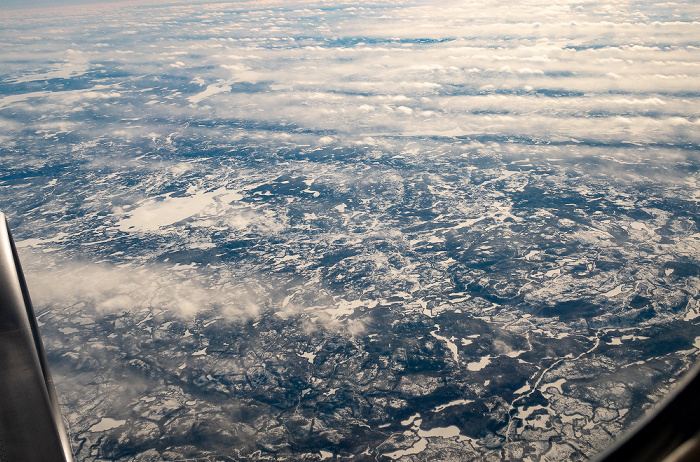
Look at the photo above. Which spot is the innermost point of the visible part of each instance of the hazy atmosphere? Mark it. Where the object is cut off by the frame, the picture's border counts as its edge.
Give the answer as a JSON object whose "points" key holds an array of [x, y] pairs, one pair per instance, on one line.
{"points": [[381, 230]]}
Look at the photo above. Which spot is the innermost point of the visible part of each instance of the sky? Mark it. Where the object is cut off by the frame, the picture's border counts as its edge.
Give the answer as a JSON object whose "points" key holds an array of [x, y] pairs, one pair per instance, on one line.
{"points": [[62, 4], [24, 4]]}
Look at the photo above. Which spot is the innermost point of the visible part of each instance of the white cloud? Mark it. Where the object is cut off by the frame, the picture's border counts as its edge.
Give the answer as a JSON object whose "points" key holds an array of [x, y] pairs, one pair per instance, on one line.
{"points": [[491, 46], [159, 289]]}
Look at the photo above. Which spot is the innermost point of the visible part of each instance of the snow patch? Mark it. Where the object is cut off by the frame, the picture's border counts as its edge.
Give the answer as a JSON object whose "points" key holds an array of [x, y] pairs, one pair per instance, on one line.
{"points": [[209, 91], [616, 291], [556, 384], [450, 344], [106, 424], [165, 211], [457, 402], [525, 388], [68, 330], [479, 365], [308, 356]]}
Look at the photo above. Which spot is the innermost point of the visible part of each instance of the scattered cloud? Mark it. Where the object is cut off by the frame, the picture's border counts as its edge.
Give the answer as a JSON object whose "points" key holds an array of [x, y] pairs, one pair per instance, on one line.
{"points": [[169, 291]]}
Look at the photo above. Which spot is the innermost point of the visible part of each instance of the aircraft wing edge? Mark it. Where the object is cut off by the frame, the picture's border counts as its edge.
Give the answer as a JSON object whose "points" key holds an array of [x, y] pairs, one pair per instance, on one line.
{"points": [[31, 424]]}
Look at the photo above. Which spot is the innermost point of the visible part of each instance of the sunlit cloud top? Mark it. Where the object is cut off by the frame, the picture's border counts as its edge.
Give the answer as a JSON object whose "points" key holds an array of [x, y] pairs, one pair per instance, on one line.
{"points": [[540, 70]]}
